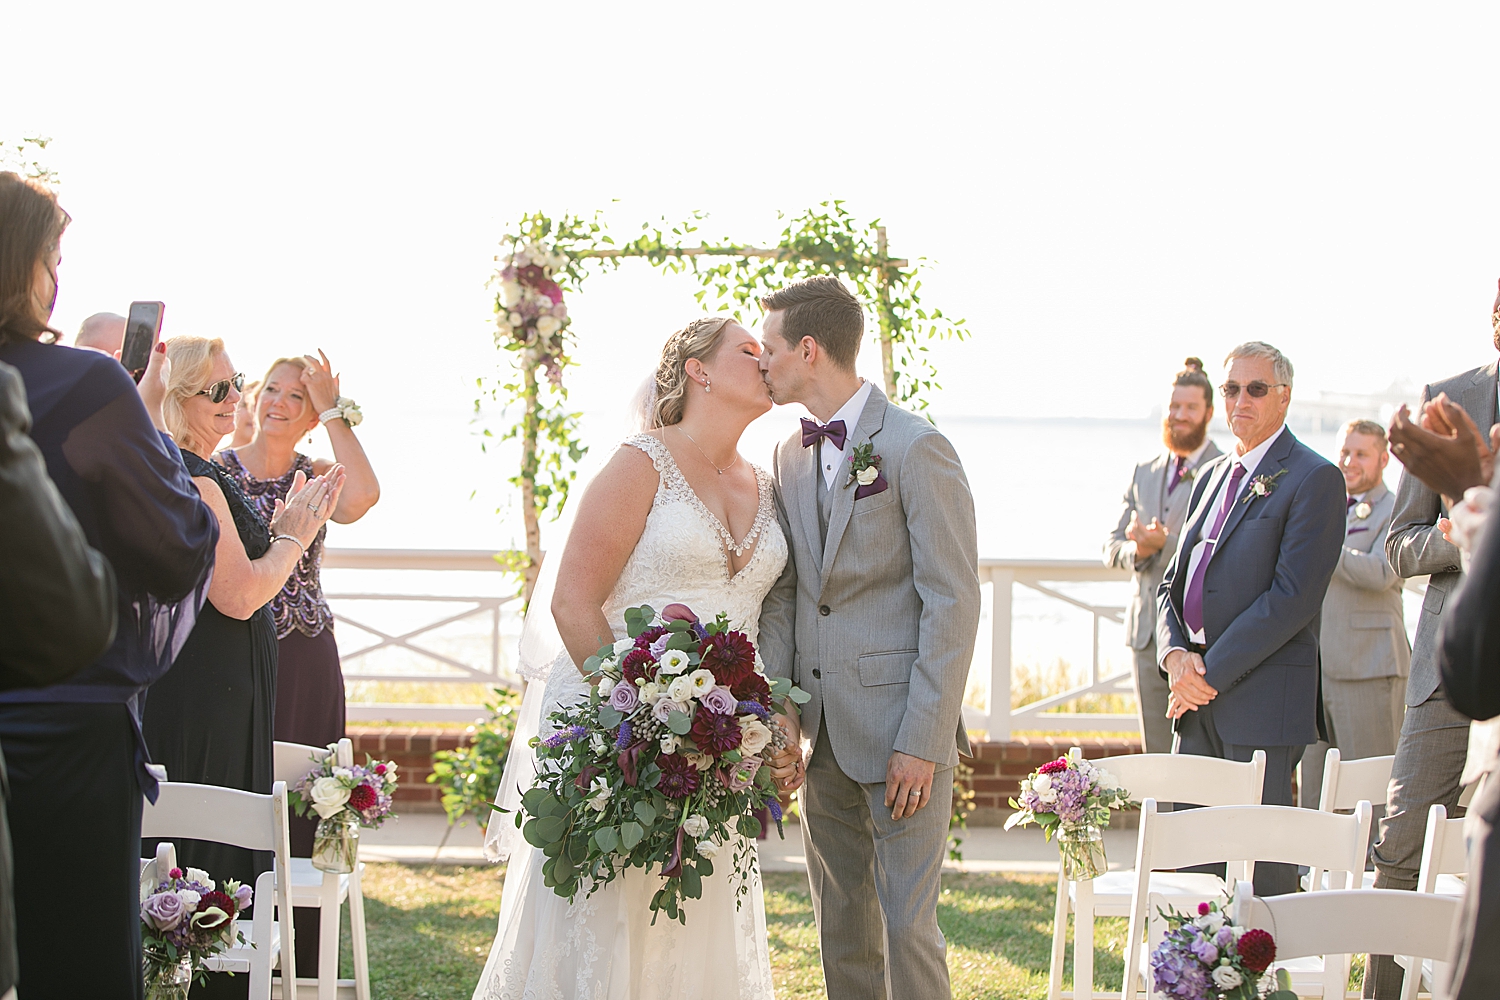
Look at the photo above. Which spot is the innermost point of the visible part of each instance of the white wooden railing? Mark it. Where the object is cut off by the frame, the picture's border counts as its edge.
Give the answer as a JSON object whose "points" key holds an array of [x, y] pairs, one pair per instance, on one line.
{"points": [[494, 665]]}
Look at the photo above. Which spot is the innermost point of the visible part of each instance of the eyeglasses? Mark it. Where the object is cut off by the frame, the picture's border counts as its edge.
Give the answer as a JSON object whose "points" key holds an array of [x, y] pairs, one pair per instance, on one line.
{"points": [[219, 391], [1256, 389]]}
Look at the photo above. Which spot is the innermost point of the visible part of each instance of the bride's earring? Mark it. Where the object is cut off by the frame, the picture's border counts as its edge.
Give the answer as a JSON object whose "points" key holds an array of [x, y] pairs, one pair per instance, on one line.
{"points": [[707, 385]]}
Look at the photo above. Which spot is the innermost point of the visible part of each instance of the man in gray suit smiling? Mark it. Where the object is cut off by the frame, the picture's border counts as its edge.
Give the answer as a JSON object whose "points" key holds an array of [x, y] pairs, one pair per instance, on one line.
{"points": [[875, 617], [1240, 604], [1145, 539]]}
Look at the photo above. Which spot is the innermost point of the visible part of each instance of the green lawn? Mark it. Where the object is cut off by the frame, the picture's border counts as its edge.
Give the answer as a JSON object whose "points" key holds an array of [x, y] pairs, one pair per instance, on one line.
{"points": [[430, 928]]}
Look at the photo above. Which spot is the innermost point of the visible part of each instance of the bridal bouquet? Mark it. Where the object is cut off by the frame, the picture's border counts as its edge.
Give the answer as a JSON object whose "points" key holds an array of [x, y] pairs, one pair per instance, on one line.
{"points": [[1208, 958], [186, 920], [1071, 798], [664, 763], [345, 799]]}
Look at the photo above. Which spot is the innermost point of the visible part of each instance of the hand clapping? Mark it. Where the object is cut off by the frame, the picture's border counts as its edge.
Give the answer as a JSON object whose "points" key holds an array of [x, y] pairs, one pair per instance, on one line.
{"points": [[308, 505], [1444, 448]]}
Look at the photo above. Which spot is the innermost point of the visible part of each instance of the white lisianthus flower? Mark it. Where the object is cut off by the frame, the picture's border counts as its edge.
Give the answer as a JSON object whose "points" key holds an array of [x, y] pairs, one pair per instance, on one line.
{"points": [[516, 320], [597, 742], [707, 849], [754, 736], [1226, 977], [1049, 795], [695, 826], [670, 742], [674, 661], [650, 692], [601, 793], [702, 681], [867, 476], [681, 689], [547, 325], [1210, 922], [623, 646], [201, 877], [328, 795], [606, 685], [510, 293], [1041, 783], [189, 898], [1107, 781], [343, 774]]}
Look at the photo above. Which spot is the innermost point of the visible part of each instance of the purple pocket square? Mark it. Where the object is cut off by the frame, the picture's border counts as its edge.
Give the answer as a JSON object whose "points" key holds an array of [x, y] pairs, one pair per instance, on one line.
{"points": [[878, 486], [1355, 531]]}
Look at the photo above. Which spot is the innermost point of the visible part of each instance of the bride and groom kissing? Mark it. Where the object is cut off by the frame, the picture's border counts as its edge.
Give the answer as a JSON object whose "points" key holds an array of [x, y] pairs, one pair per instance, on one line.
{"points": [[853, 566]]}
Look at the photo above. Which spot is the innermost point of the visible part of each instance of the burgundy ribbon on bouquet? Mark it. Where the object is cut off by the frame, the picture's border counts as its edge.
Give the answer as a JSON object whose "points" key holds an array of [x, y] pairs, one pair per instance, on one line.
{"points": [[673, 867], [629, 759]]}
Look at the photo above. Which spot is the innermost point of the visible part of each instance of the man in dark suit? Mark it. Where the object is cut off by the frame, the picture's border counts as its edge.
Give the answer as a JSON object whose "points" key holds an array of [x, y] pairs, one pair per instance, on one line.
{"points": [[1239, 609]]}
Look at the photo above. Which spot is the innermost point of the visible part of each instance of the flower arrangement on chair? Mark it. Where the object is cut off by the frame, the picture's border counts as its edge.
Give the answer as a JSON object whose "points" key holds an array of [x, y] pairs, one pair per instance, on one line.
{"points": [[345, 799], [1071, 798], [1205, 957], [186, 920]]}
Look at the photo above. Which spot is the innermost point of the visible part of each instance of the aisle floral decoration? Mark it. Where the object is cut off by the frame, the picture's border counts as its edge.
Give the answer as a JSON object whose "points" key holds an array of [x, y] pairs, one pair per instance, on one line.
{"points": [[1205, 957], [1071, 798], [187, 919], [665, 763], [345, 799]]}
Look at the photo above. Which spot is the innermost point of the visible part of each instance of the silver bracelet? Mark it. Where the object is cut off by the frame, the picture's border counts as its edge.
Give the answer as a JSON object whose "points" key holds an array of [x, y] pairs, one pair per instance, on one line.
{"points": [[290, 538]]}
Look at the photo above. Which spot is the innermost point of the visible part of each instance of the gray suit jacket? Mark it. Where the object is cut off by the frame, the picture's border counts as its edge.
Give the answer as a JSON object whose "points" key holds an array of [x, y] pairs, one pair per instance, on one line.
{"points": [[878, 624], [1364, 625], [1147, 497], [1262, 593], [1415, 546]]}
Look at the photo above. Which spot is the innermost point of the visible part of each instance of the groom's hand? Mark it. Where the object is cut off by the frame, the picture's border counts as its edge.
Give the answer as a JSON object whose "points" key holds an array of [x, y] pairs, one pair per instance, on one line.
{"points": [[908, 784]]}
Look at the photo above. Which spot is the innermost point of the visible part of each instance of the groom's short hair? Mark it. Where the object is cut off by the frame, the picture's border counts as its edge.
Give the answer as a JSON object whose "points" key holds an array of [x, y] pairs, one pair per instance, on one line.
{"points": [[823, 309]]}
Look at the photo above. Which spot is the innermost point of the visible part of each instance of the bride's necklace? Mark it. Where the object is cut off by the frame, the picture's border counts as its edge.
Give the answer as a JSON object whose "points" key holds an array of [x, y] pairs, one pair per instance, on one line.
{"points": [[705, 454]]}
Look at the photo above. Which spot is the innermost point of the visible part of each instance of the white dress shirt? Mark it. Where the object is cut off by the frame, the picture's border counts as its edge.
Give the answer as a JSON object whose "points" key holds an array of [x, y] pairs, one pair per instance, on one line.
{"points": [[1251, 461], [831, 456]]}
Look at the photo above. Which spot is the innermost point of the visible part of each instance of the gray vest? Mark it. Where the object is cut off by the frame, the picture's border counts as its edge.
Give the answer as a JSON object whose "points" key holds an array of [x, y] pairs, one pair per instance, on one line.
{"points": [[825, 504]]}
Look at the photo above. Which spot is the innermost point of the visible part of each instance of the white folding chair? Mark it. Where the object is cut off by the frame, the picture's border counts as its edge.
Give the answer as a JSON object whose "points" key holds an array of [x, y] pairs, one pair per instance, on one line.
{"points": [[1362, 921], [325, 890], [1445, 855], [240, 819], [1206, 781], [1345, 784], [1239, 836]]}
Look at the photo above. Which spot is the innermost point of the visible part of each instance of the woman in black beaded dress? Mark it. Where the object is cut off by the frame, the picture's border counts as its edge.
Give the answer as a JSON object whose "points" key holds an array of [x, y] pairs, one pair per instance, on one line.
{"points": [[209, 720]]}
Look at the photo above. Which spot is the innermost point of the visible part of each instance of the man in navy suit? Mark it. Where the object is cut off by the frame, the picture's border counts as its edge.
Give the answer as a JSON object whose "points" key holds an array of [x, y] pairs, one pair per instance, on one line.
{"points": [[1239, 608]]}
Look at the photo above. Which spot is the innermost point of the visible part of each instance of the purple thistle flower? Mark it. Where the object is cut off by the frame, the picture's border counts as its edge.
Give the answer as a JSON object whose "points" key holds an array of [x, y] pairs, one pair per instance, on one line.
{"points": [[623, 739]]}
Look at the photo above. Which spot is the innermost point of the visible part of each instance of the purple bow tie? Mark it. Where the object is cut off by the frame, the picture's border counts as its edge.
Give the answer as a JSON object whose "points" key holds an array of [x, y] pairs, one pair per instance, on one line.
{"points": [[834, 431]]}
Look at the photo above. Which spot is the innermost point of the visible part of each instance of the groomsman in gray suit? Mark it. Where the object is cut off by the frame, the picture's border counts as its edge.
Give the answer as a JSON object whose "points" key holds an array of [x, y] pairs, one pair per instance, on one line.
{"points": [[875, 617], [1434, 739], [1366, 655], [1145, 539]]}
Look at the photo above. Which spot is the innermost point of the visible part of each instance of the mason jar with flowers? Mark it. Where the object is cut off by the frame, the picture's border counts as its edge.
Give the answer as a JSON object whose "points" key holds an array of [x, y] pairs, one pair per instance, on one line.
{"points": [[1072, 799], [345, 799]]}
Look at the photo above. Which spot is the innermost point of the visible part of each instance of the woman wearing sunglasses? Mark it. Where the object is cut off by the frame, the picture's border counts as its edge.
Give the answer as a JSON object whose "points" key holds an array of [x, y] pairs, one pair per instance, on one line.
{"points": [[210, 719]]}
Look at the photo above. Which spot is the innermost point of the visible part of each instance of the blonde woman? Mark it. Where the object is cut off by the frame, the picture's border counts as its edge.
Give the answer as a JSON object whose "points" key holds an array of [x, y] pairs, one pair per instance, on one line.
{"points": [[209, 720]]}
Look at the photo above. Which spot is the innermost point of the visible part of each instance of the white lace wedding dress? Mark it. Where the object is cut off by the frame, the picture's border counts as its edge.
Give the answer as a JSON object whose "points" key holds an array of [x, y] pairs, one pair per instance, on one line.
{"points": [[604, 946]]}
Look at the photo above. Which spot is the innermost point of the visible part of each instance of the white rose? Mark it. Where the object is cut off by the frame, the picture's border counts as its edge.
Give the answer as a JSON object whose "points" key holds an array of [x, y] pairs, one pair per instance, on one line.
{"points": [[606, 685], [1041, 783], [1108, 781], [201, 877], [695, 826], [1048, 795], [547, 325], [1210, 922], [1025, 784], [701, 761], [510, 293], [600, 798], [328, 795], [753, 736], [702, 680], [674, 661], [516, 320], [189, 898], [867, 476], [670, 743], [343, 774], [623, 646], [650, 692], [1226, 977], [707, 849], [681, 689]]}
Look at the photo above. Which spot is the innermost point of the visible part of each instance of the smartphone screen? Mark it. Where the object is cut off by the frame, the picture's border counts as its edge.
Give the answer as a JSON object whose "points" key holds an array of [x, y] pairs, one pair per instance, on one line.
{"points": [[142, 328]]}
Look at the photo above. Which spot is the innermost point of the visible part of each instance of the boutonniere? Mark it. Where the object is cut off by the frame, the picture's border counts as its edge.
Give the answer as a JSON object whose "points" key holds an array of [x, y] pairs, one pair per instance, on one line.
{"points": [[1262, 486], [864, 470], [1361, 510]]}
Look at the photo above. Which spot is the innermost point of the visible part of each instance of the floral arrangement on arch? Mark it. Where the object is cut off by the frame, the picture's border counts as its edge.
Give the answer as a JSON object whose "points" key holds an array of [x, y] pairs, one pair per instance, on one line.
{"points": [[664, 764], [530, 315]]}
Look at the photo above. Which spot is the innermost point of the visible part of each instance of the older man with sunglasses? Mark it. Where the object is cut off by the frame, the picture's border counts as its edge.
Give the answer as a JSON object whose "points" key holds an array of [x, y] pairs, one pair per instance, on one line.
{"points": [[1239, 608]]}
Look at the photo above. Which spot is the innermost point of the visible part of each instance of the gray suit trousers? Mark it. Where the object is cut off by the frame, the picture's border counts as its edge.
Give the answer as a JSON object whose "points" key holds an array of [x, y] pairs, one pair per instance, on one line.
{"points": [[1151, 690], [861, 863], [1364, 720]]}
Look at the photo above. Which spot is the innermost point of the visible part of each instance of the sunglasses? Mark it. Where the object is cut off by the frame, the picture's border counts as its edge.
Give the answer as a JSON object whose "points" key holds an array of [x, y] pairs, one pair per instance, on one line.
{"points": [[219, 391], [1256, 389]]}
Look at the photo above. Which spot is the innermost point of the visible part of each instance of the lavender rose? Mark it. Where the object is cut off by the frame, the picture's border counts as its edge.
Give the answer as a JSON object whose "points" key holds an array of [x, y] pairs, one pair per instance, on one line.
{"points": [[743, 775], [242, 897], [719, 700], [1205, 950], [164, 911], [623, 698]]}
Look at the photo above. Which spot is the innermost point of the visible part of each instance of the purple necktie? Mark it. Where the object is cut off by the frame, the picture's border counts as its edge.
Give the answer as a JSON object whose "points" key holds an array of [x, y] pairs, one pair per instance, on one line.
{"points": [[1177, 474], [835, 431], [1192, 601], [1351, 503]]}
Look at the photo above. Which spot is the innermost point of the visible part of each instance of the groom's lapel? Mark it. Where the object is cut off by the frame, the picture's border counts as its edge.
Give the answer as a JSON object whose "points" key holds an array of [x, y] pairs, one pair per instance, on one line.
{"points": [[870, 421], [808, 480]]}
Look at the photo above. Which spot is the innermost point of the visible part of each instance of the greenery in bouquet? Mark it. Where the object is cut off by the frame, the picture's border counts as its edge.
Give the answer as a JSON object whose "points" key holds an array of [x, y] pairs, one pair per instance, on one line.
{"points": [[470, 775], [186, 916], [363, 792], [1205, 957], [1068, 792], [665, 763]]}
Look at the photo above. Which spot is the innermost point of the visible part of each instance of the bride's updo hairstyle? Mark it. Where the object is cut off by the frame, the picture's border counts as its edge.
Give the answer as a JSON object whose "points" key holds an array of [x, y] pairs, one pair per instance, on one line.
{"points": [[699, 339]]}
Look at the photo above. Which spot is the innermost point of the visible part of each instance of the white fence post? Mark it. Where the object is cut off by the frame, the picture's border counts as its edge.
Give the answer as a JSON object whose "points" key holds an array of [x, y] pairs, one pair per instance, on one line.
{"points": [[1000, 610]]}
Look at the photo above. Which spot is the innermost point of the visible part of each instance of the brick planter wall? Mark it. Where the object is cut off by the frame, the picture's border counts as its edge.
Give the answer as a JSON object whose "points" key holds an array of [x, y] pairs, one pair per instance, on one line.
{"points": [[998, 767]]}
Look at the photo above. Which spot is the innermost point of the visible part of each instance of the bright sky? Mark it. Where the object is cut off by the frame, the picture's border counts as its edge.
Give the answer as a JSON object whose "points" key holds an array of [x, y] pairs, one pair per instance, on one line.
{"points": [[1104, 187]]}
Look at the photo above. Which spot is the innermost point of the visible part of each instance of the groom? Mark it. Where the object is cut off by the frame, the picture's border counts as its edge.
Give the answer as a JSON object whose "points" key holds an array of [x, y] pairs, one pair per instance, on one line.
{"points": [[875, 617]]}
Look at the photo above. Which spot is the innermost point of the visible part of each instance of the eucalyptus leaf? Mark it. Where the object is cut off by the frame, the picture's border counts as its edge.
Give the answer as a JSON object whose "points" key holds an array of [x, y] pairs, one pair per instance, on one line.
{"points": [[645, 812], [608, 838], [631, 834], [609, 717], [679, 722]]}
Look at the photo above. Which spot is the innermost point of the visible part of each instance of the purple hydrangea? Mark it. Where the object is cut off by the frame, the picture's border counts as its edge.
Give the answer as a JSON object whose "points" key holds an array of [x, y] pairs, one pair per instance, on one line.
{"points": [[1178, 973]]}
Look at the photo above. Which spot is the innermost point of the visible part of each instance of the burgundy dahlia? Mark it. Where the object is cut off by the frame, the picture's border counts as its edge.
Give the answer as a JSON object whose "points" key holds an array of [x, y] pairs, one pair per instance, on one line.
{"points": [[679, 778], [361, 797], [637, 663], [649, 636], [714, 733], [753, 687], [729, 655], [219, 899], [1257, 949]]}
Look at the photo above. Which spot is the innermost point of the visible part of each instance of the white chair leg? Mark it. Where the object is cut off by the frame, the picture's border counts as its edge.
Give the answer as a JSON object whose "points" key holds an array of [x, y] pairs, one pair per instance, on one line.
{"points": [[328, 939], [1059, 940], [357, 935], [1083, 941]]}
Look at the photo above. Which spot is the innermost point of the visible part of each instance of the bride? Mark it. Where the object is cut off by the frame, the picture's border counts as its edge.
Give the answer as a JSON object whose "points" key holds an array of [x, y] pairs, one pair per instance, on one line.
{"points": [[675, 516]]}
